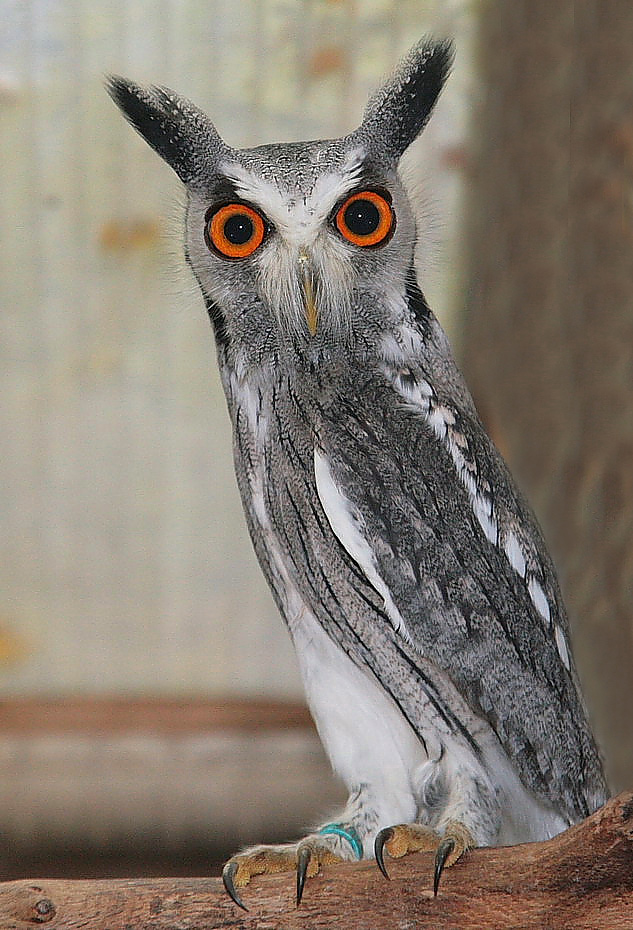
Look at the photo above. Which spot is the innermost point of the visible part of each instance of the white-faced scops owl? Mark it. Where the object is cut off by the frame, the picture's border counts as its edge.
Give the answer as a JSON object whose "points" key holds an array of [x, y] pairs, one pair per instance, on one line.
{"points": [[415, 583]]}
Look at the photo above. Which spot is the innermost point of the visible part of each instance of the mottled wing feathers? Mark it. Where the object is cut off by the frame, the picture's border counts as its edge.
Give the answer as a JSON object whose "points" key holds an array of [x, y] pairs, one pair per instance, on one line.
{"points": [[449, 585]]}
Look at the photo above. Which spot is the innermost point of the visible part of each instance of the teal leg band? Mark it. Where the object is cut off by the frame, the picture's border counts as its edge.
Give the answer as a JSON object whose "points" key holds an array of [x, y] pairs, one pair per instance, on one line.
{"points": [[348, 833]]}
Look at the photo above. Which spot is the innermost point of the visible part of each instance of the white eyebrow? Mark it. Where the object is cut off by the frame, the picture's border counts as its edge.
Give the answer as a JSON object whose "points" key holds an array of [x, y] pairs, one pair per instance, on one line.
{"points": [[291, 213]]}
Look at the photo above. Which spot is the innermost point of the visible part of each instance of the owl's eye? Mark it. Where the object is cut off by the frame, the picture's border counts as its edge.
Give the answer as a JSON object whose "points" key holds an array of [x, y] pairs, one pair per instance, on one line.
{"points": [[366, 218], [234, 230]]}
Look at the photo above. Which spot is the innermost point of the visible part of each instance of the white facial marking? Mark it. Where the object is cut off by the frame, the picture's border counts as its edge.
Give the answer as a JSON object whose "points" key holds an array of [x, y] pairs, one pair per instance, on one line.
{"points": [[297, 216], [346, 526], [303, 247]]}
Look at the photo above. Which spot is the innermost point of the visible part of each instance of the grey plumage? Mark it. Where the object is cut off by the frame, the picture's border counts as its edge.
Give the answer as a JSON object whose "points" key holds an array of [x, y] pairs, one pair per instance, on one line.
{"points": [[379, 509]]}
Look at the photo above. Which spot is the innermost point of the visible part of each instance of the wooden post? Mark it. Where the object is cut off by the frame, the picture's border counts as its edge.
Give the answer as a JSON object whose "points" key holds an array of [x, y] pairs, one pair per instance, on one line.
{"points": [[549, 321], [580, 880]]}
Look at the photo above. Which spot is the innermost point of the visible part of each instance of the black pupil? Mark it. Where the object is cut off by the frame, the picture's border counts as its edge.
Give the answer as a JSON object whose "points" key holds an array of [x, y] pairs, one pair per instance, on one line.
{"points": [[239, 229], [362, 217]]}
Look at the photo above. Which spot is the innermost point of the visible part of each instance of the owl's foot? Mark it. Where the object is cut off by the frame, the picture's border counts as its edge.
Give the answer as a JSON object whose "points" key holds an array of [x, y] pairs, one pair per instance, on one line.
{"points": [[305, 858], [414, 837]]}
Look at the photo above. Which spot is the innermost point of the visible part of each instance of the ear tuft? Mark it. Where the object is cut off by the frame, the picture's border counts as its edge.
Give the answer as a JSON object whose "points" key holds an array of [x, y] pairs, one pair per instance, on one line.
{"points": [[181, 133], [398, 112]]}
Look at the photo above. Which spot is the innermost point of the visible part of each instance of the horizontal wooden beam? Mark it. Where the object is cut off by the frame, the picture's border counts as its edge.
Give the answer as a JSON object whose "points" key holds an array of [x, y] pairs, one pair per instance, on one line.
{"points": [[580, 880], [156, 715], [137, 774]]}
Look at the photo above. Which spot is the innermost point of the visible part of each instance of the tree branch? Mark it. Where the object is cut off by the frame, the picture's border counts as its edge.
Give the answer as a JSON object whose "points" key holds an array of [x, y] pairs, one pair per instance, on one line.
{"points": [[582, 879]]}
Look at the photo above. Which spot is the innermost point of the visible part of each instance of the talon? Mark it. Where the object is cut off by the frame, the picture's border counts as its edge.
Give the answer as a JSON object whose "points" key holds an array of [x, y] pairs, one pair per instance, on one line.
{"points": [[444, 850], [228, 876], [303, 861], [379, 844]]}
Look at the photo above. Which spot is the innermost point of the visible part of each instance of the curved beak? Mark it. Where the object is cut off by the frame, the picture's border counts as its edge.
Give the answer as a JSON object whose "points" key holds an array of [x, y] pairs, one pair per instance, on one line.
{"points": [[308, 293]]}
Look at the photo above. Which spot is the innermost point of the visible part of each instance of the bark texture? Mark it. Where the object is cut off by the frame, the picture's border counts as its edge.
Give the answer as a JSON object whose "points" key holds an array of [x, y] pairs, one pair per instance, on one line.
{"points": [[549, 333], [580, 880]]}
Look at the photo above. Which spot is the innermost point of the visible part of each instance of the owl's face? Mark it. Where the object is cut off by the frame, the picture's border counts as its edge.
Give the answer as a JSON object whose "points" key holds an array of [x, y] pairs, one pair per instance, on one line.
{"points": [[298, 248], [304, 243]]}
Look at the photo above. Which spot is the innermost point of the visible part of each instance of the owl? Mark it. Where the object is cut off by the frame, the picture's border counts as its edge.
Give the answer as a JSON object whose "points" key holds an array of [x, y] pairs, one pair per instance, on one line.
{"points": [[414, 581]]}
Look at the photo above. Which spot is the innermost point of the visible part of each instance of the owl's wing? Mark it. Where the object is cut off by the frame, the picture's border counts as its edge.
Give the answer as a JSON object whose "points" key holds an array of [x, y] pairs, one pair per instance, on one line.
{"points": [[420, 499]]}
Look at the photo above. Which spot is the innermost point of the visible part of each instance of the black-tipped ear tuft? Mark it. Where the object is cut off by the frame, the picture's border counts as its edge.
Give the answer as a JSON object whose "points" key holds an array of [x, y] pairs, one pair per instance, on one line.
{"points": [[398, 112], [181, 133]]}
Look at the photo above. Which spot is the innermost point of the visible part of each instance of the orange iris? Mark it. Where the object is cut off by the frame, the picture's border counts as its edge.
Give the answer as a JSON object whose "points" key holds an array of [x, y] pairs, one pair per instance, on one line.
{"points": [[235, 230], [365, 219]]}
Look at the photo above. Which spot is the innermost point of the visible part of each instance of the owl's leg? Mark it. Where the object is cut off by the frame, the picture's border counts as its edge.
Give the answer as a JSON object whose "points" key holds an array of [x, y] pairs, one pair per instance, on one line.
{"points": [[470, 817], [339, 841]]}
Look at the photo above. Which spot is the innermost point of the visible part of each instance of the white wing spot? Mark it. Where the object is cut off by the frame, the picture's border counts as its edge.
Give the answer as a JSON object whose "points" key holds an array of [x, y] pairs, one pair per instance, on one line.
{"points": [[250, 401], [442, 422], [539, 599], [562, 646], [484, 513], [347, 529], [419, 394], [416, 391], [514, 553]]}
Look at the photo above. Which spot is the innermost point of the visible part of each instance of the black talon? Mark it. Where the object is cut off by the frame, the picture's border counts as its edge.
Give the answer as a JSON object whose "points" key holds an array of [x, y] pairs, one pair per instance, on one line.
{"points": [[228, 874], [379, 844], [303, 861], [444, 850]]}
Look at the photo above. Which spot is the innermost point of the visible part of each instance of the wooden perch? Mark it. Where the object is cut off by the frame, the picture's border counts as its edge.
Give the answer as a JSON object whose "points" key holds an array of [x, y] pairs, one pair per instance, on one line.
{"points": [[580, 880]]}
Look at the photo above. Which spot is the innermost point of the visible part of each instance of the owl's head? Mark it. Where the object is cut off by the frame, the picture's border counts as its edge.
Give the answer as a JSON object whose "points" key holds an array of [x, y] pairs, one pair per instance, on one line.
{"points": [[308, 244]]}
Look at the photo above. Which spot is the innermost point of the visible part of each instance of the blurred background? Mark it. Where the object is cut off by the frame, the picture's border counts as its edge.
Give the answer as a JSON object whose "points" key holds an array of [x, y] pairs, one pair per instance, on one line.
{"points": [[151, 713]]}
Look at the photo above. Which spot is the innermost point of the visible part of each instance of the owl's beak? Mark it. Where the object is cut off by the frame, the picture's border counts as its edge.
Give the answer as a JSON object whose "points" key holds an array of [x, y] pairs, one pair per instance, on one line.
{"points": [[308, 291]]}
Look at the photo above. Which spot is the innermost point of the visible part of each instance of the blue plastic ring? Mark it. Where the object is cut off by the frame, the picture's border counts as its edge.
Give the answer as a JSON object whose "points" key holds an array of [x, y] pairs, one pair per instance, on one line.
{"points": [[348, 834]]}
